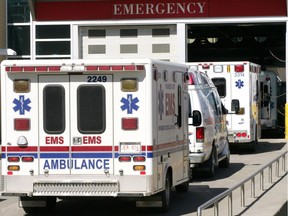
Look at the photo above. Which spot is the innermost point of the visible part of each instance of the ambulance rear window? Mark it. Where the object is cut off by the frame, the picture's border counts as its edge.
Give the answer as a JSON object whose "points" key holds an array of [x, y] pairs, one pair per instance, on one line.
{"points": [[54, 109], [220, 84], [91, 109]]}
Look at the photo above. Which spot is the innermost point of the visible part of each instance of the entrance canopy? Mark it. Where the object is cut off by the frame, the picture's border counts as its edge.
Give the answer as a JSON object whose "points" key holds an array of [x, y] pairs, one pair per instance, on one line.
{"points": [[57, 10]]}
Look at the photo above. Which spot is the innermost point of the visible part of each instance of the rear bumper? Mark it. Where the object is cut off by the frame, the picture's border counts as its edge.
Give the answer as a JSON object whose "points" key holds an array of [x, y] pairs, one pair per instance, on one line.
{"points": [[196, 158]]}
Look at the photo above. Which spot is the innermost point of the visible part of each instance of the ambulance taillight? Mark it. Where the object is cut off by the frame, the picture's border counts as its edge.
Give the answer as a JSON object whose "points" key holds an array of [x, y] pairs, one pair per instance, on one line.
{"points": [[124, 159], [129, 123], [200, 134], [21, 124]]}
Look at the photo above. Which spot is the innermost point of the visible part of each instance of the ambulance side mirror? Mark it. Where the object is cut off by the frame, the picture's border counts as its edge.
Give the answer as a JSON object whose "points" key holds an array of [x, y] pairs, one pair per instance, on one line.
{"points": [[235, 105], [196, 118]]}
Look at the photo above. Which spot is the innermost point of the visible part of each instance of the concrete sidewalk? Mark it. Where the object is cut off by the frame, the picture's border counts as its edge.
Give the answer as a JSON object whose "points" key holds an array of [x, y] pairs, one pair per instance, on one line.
{"points": [[273, 202]]}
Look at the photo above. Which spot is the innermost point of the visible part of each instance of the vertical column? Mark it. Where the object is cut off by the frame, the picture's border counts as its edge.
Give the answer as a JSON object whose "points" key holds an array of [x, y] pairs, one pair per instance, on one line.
{"points": [[181, 42]]}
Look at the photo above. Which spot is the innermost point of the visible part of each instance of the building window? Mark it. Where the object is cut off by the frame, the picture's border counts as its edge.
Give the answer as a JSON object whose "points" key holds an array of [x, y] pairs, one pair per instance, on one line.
{"points": [[160, 48], [53, 48], [18, 11], [128, 48], [128, 33], [162, 32], [19, 39], [53, 41], [52, 31], [96, 33], [96, 49]]}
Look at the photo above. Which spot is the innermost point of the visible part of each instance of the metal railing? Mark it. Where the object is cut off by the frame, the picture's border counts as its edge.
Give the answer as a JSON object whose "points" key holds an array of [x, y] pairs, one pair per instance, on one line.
{"points": [[228, 193]]}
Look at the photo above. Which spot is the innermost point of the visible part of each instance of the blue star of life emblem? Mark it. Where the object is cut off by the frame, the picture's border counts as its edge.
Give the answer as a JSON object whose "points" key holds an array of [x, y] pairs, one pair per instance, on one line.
{"points": [[21, 105], [239, 84], [129, 104]]}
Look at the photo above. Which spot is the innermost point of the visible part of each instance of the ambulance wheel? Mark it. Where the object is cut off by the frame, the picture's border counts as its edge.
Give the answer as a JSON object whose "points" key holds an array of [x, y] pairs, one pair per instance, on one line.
{"points": [[50, 205], [225, 163], [166, 194]]}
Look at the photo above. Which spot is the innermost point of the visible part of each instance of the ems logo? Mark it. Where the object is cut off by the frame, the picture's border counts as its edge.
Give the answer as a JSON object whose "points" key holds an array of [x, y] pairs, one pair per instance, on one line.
{"points": [[21, 105], [129, 104], [239, 84]]}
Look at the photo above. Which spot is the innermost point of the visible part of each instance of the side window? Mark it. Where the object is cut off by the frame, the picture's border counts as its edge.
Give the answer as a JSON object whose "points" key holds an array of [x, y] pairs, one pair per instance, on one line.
{"points": [[91, 109], [179, 117], [54, 109], [220, 84], [212, 101]]}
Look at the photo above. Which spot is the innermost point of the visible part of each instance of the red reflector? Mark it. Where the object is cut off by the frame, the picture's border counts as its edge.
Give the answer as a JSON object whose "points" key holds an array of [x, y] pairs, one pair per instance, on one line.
{"points": [[92, 68], [139, 159], [27, 159], [29, 68], [124, 158], [41, 68], [104, 67], [129, 123], [13, 159], [16, 69], [117, 67], [239, 68], [129, 67], [140, 67], [199, 134], [54, 68], [142, 173], [21, 124], [7, 69]]}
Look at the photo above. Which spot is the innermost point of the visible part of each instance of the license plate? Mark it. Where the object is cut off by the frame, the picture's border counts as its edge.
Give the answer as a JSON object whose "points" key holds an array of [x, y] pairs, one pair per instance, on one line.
{"points": [[130, 148]]}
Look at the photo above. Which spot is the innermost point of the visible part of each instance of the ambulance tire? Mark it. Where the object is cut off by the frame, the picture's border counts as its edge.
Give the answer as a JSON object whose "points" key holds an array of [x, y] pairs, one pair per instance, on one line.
{"points": [[225, 163], [50, 206], [166, 195]]}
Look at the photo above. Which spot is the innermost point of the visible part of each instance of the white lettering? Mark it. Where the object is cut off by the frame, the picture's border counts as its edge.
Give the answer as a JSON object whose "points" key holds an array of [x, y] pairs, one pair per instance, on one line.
{"points": [[159, 8], [201, 6]]}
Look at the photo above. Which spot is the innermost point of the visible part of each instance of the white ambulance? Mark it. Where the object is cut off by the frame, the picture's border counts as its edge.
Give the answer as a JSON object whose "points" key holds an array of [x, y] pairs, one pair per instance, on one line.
{"points": [[94, 128], [238, 85], [209, 146], [269, 86]]}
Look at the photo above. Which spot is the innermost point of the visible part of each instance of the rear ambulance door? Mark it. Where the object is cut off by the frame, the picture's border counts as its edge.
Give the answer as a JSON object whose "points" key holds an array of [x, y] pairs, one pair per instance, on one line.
{"points": [[77, 124]]}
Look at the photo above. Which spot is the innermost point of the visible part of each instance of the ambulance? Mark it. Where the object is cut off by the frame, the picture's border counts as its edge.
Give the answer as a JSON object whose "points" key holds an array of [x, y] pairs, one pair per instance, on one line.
{"points": [[238, 84], [269, 86], [94, 128]]}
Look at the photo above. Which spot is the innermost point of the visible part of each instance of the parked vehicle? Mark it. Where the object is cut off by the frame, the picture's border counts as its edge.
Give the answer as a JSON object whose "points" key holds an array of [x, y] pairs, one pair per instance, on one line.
{"points": [[238, 82], [269, 87], [94, 128], [209, 144]]}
